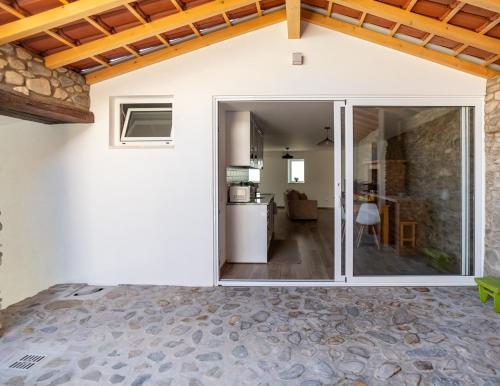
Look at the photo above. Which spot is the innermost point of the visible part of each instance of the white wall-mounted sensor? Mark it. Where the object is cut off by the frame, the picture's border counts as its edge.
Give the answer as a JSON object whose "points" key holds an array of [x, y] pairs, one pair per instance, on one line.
{"points": [[297, 59]]}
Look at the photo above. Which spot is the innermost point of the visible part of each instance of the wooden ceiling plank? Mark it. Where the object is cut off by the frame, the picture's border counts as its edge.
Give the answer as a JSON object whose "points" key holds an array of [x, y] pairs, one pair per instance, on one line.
{"points": [[194, 29], [410, 5], [395, 29], [362, 19], [226, 19], [398, 44], [188, 46], [177, 5], [329, 9], [259, 8], [492, 60], [492, 5], [293, 18], [11, 10], [424, 23], [492, 24], [452, 13], [143, 31], [53, 18]]}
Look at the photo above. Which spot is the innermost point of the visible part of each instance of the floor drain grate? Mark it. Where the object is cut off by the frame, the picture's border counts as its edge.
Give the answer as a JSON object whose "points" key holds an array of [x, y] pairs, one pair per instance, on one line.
{"points": [[27, 362]]}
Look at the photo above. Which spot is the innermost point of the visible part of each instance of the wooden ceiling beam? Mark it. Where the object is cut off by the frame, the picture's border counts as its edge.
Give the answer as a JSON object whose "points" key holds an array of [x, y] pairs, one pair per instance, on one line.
{"points": [[188, 46], [398, 44], [492, 5], [52, 34], [424, 23], [41, 109], [143, 31], [293, 18], [54, 17]]}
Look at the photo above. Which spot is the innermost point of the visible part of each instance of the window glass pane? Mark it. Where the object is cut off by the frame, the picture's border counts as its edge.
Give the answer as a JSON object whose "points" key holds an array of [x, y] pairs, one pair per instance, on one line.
{"points": [[254, 175], [149, 124], [412, 191], [296, 170]]}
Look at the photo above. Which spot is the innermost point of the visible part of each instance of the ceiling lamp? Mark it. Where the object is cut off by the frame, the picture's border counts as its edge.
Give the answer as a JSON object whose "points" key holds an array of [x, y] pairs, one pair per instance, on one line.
{"points": [[327, 141], [287, 155]]}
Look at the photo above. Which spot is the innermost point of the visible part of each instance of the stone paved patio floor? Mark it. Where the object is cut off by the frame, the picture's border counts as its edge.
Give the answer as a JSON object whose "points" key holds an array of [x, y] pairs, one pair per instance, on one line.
{"points": [[158, 335]]}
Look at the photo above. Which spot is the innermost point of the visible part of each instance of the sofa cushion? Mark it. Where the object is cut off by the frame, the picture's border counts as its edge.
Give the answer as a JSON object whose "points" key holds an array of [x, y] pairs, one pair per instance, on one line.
{"points": [[302, 196], [293, 195]]}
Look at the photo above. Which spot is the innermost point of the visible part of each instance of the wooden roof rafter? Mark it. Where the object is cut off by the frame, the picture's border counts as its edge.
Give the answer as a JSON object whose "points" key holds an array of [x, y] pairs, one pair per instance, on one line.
{"points": [[188, 46], [451, 13], [141, 23], [100, 28], [397, 44], [424, 23], [52, 18], [143, 31], [52, 34]]}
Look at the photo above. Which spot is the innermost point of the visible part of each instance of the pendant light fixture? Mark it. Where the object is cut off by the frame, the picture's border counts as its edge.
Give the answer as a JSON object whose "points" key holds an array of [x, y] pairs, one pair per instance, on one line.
{"points": [[327, 141], [287, 155]]}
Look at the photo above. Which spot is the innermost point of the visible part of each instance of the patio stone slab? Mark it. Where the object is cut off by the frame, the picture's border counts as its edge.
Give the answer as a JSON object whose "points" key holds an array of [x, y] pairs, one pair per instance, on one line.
{"points": [[161, 335]]}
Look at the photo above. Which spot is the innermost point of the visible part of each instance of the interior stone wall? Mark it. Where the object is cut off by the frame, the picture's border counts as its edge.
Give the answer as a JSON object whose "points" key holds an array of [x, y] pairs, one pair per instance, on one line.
{"points": [[492, 138], [25, 73], [434, 174]]}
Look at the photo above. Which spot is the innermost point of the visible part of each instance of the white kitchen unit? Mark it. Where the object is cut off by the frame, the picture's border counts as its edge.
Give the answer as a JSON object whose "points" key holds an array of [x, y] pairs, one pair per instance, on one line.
{"points": [[244, 140], [250, 229]]}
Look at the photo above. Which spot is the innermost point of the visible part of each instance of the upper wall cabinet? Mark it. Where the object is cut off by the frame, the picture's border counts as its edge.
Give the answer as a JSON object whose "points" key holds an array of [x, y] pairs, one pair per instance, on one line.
{"points": [[245, 140]]}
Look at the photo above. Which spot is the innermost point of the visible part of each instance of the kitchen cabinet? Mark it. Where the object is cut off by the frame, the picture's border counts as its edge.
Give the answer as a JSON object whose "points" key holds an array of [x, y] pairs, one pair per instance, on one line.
{"points": [[245, 140], [250, 229]]}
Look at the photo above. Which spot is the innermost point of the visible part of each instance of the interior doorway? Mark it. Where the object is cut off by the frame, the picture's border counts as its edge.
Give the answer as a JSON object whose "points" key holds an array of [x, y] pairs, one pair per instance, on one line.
{"points": [[277, 188]]}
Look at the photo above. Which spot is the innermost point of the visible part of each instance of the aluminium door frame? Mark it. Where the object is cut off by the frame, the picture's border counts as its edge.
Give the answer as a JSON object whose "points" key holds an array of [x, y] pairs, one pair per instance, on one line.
{"points": [[363, 100], [479, 189], [338, 278]]}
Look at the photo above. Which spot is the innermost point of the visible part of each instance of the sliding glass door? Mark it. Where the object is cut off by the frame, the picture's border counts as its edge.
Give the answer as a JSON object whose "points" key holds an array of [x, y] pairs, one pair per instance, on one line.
{"points": [[409, 190]]}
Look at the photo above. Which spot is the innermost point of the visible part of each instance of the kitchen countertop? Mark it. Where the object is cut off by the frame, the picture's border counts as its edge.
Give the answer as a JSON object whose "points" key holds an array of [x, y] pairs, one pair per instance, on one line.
{"points": [[261, 199]]}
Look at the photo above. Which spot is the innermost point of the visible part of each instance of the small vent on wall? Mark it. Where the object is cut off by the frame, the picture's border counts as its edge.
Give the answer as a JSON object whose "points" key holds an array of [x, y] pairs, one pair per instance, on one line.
{"points": [[27, 362]]}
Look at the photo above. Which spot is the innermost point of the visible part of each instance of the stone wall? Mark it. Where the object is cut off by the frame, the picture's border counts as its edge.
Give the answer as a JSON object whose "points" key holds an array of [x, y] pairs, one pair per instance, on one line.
{"points": [[433, 173], [25, 73], [492, 138]]}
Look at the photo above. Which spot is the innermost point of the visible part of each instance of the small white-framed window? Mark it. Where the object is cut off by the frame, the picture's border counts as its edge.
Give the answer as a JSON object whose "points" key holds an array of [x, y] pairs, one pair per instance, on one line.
{"points": [[296, 171], [141, 121], [254, 175]]}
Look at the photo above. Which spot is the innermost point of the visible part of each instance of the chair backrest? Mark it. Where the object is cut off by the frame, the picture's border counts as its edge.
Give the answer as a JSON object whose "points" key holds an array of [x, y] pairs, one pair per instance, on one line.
{"points": [[368, 214]]}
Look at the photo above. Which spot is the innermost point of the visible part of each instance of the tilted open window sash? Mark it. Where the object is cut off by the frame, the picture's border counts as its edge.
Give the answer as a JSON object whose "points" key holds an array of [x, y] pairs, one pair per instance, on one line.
{"points": [[146, 124]]}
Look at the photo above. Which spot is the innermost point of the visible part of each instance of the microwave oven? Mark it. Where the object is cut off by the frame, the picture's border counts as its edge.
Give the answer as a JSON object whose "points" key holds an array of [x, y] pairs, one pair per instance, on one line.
{"points": [[238, 193]]}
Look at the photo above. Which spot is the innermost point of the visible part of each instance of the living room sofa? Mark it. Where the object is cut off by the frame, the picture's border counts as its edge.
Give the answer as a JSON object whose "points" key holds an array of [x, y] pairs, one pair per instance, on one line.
{"points": [[299, 207]]}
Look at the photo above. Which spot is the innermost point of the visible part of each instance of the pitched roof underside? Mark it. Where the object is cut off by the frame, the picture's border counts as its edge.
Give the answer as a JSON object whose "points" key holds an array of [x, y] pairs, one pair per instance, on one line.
{"points": [[120, 39]]}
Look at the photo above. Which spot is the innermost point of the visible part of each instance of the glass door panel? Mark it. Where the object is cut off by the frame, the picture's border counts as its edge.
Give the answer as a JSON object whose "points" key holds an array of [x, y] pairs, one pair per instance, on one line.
{"points": [[412, 190]]}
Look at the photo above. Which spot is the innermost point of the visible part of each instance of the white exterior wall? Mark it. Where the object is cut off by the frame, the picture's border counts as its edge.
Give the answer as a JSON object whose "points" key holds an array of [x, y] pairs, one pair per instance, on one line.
{"points": [[146, 216]]}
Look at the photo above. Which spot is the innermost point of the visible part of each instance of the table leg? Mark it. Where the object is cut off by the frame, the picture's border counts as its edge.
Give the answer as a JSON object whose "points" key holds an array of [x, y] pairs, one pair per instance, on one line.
{"points": [[385, 224]]}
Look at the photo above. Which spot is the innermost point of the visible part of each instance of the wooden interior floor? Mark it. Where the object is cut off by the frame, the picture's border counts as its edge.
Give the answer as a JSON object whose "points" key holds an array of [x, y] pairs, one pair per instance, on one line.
{"points": [[308, 243], [303, 250]]}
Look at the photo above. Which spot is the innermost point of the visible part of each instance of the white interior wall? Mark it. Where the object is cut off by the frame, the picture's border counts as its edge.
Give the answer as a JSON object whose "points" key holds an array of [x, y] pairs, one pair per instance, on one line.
{"points": [[146, 215], [318, 174]]}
